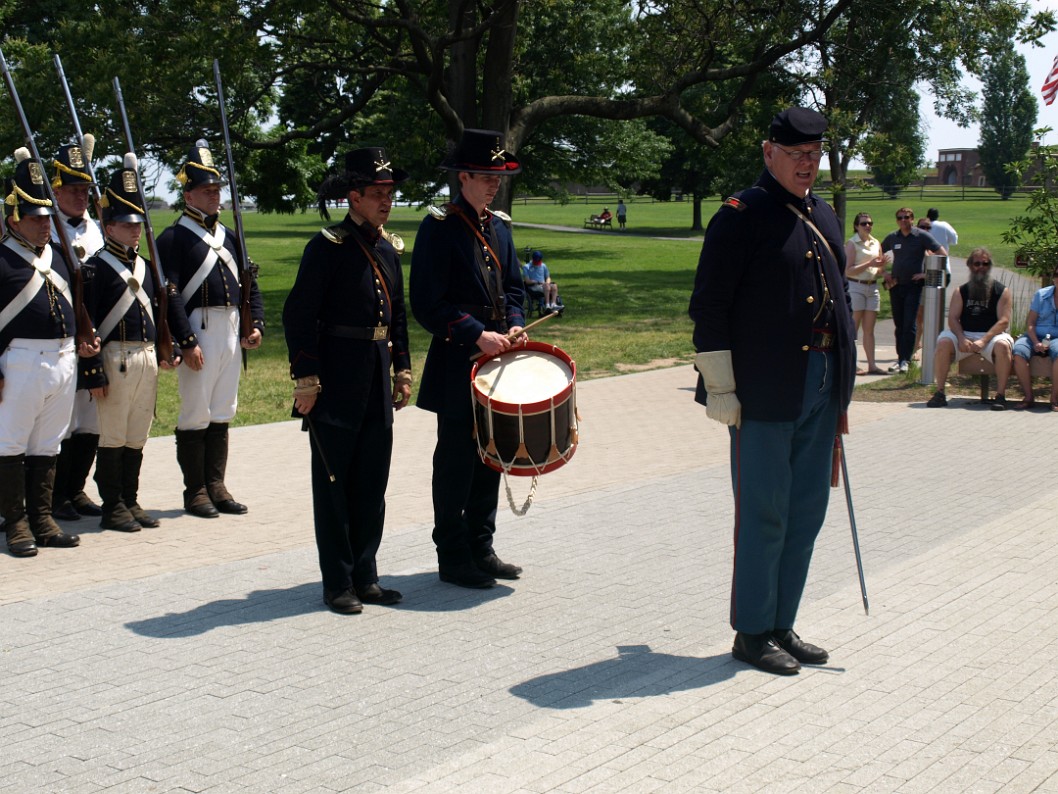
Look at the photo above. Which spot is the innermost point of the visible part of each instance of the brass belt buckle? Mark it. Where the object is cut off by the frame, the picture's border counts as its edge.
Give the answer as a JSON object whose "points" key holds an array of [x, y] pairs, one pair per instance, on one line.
{"points": [[379, 333]]}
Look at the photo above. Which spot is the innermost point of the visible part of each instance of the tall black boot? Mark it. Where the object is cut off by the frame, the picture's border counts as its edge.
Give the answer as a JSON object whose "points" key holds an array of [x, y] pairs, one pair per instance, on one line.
{"points": [[116, 514], [191, 455], [61, 507], [40, 485], [216, 466], [131, 461], [80, 467], [13, 506]]}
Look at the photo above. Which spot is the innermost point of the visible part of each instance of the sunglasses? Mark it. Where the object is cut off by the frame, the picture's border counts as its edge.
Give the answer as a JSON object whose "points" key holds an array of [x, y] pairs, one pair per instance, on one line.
{"points": [[905, 217], [866, 223]]}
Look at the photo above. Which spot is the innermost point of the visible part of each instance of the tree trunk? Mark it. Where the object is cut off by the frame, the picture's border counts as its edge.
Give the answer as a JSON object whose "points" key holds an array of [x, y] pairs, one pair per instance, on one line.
{"points": [[696, 213]]}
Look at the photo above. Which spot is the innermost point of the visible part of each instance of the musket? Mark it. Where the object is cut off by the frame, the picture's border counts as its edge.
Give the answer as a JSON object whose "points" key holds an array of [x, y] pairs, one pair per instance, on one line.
{"points": [[85, 333], [852, 522], [245, 273], [86, 149], [161, 291]]}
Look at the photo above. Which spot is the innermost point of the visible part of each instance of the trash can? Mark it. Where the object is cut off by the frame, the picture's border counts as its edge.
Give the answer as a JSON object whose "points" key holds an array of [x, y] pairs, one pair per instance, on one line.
{"points": [[933, 302]]}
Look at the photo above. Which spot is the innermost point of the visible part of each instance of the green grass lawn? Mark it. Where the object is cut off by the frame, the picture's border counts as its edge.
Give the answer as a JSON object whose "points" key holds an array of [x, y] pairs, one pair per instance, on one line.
{"points": [[626, 294]]}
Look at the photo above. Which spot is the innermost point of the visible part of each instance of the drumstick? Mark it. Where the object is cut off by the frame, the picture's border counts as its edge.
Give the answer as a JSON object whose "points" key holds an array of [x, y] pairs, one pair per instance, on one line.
{"points": [[520, 331]]}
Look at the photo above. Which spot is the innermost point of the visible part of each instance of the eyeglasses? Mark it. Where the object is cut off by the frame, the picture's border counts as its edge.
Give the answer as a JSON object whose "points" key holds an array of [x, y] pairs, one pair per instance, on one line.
{"points": [[797, 155], [866, 223], [985, 263], [905, 217]]}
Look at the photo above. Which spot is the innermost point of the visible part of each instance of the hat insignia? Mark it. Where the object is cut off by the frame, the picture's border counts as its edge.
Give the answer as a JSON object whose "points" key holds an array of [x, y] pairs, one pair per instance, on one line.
{"points": [[36, 176], [128, 181], [498, 152], [76, 157], [206, 157], [382, 165]]}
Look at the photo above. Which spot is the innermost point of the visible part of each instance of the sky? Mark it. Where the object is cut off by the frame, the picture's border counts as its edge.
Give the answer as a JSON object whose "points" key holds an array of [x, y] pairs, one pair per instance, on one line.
{"points": [[945, 134]]}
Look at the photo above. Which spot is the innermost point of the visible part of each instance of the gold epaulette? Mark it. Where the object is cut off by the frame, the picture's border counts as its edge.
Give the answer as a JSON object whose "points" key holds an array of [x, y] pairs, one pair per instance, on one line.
{"points": [[395, 240], [336, 234], [440, 213], [503, 216]]}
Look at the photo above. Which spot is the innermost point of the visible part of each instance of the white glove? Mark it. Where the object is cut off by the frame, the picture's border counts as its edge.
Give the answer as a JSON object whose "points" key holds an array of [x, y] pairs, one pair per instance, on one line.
{"points": [[718, 375]]}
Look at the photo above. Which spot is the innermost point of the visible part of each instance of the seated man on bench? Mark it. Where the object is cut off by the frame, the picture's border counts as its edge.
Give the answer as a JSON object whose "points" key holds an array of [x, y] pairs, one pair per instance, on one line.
{"points": [[538, 283], [978, 318], [1041, 333]]}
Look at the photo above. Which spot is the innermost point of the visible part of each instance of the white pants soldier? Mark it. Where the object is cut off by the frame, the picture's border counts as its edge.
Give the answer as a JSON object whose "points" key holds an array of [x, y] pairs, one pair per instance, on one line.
{"points": [[208, 400], [35, 409]]}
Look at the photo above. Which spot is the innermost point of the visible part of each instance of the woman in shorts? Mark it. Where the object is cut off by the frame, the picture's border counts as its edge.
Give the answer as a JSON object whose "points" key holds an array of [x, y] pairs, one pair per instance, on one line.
{"points": [[863, 255]]}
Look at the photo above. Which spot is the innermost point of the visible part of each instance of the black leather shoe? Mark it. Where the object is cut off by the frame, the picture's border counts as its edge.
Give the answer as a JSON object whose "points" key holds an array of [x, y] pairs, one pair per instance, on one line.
{"points": [[26, 548], [761, 651], [206, 510], [122, 526], [496, 567], [376, 594], [802, 651], [231, 507], [60, 540], [465, 574], [65, 512], [344, 602]]}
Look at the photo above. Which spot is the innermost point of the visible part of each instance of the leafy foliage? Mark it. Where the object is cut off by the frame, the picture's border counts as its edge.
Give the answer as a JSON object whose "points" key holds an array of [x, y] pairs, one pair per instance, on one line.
{"points": [[1008, 118]]}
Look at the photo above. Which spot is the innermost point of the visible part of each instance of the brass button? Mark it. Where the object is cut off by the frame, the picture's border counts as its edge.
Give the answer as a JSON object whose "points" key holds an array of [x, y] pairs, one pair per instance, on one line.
{"points": [[810, 299], [804, 348], [809, 254]]}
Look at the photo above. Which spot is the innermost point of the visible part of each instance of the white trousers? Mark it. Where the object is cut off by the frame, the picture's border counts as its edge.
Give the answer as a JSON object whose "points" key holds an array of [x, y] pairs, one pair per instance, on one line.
{"points": [[40, 376], [85, 419], [212, 393], [126, 413]]}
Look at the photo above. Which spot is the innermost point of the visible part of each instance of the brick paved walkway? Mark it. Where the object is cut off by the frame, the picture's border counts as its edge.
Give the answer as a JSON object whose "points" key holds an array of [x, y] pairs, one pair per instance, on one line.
{"points": [[198, 657]]}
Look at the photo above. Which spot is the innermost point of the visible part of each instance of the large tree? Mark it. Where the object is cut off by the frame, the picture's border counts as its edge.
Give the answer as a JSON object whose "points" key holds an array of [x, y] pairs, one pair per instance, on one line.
{"points": [[1008, 118], [327, 72], [861, 74]]}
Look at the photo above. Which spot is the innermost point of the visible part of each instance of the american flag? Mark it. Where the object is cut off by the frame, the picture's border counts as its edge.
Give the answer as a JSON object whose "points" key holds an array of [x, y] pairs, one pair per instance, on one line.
{"points": [[1050, 85]]}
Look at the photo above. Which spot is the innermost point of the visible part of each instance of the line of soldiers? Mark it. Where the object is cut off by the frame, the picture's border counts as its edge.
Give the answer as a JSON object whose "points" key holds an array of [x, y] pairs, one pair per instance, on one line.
{"points": [[346, 330], [98, 403]]}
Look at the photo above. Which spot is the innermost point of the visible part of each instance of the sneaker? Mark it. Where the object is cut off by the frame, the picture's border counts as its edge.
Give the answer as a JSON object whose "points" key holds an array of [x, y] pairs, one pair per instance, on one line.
{"points": [[903, 367], [938, 400], [894, 367], [999, 403]]}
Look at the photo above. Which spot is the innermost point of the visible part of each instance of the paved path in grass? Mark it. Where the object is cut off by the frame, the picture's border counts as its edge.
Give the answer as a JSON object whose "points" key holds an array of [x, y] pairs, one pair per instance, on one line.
{"points": [[198, 657]]}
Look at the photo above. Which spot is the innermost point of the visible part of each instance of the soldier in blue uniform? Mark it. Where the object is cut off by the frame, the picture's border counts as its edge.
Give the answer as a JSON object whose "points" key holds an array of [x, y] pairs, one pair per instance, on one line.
{"points": [[71, 183], [346, 329], [200, 256], [776, 354], [466, 289], [122, 298], [38, 362]]}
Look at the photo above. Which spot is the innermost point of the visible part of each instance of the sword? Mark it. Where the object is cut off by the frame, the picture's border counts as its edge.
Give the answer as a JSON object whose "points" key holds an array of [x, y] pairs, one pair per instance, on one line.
{"points": [[852, 523]]}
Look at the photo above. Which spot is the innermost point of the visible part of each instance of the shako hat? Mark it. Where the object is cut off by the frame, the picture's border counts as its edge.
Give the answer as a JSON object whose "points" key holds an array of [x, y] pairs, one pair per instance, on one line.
{"points": [[121, 199], [797, 125], [199, 168], [365, 166], [482, 152], [26, 193], [71, 167]]}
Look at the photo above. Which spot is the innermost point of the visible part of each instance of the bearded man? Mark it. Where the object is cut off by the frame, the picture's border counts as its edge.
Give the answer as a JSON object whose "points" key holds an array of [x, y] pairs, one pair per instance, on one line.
{"points": [[978, 319]]}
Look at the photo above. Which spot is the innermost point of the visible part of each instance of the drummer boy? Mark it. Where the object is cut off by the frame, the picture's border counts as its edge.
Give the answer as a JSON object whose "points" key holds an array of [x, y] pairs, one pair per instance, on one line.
{"points": [[466, 290]]}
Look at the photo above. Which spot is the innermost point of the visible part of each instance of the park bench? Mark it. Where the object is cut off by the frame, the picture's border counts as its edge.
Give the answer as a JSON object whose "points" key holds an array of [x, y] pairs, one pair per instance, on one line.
{"points": [[597, 223], [1039, 367]]}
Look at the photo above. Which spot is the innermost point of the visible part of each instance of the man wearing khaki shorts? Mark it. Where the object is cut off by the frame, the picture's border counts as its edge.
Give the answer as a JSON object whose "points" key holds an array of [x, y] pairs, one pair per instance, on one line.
{"points": [[978, 318]]}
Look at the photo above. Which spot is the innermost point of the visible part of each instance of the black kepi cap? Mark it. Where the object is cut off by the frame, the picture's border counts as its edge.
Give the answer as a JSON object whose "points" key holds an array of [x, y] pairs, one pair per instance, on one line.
{"points": [[199, 169], [365, 166], [70, 167], [121, 199], [797, 125], [27, 192]]}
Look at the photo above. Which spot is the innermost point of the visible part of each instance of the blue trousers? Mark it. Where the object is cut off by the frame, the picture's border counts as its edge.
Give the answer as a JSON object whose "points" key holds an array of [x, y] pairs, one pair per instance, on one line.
{"points": [[780, 472]]}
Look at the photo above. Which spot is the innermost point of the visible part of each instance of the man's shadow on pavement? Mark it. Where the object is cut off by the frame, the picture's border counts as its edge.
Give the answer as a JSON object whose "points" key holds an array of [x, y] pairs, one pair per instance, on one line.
{"points": [[635, 672], [422, 593]]}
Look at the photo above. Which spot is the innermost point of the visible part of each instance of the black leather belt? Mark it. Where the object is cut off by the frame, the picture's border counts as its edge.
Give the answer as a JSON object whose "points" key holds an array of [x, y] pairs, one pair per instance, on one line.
{"points": [[377, 334], [861, 281], [821, 340], [481, 313]]}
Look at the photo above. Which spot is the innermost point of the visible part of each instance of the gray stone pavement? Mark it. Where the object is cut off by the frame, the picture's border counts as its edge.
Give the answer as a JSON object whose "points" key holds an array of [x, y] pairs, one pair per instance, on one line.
{"points": [[198, 657]]}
